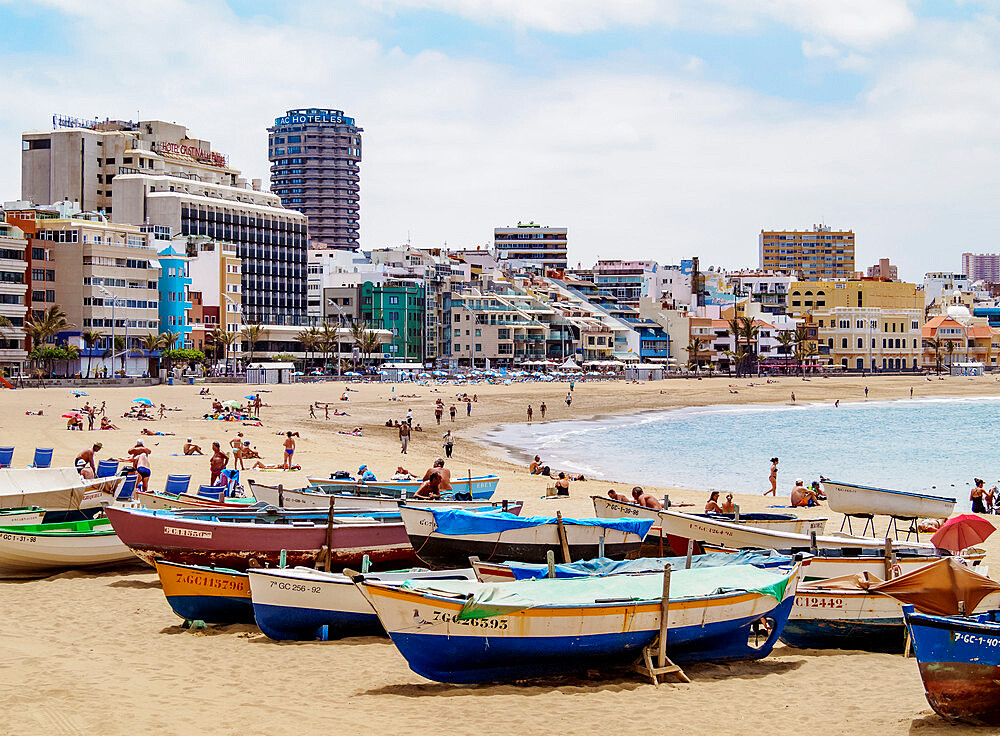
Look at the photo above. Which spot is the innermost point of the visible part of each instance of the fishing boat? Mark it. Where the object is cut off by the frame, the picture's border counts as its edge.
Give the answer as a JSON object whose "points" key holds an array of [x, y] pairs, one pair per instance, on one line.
{"points": [[215, 595], [63, 494], [315, 497], [480, 486], [606, 507], [497, 572], [678, 528], [303, 604], [35, 550], [836, 563], [22, 516], [235, 538], [161, 500], [471, 632], [854, 500], [959, 661], [447, 538]]}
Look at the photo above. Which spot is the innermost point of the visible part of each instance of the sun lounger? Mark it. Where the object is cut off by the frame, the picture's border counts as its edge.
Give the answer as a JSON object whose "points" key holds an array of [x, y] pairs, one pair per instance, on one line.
{"points": [[107, 468], [43, 457], [177, 484], [6, 456]]}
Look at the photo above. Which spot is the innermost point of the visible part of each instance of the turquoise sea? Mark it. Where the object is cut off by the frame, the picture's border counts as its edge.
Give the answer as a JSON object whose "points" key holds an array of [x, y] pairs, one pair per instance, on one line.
{"points": [[935, 445]]}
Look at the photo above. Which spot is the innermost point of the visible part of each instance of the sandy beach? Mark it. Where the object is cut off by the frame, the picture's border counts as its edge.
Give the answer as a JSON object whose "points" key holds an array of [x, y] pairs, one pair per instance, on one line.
{"points": [[103, 653]]}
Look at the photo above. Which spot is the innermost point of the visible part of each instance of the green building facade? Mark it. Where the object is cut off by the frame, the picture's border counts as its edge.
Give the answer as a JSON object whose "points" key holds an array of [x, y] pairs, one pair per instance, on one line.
{"points": [[398, 306]]}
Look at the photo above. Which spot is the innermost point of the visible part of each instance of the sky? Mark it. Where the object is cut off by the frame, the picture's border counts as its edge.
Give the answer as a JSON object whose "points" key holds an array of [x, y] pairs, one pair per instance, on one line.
{"points": [[654, 129]]}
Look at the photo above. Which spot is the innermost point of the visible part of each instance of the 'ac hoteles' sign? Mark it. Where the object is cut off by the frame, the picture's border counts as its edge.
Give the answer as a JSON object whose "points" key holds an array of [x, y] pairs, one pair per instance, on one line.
{"points": [[302, 119]]}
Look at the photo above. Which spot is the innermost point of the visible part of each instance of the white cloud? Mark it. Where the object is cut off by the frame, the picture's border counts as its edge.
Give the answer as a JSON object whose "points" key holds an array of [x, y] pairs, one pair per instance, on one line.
{"points": [[635, 161]]}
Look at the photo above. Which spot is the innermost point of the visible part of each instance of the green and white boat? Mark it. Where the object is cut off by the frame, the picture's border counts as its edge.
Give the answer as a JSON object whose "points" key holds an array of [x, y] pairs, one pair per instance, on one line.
{"points": [[21, 516], [36, 550]]}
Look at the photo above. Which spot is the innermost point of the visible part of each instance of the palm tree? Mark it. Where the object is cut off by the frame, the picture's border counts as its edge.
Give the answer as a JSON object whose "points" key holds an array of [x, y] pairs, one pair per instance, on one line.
{"points": [[252, 334], [43, 328], [695, 344], [225, 339], [4, 322], [935, 344], [168, 341], [750, 335], [371, 343], [949, 347], [72, 353], [802, 344], [309, 339], [152, 343], [735, 330], [90, 339], [119, 348], [786, 341], [328, 341]]}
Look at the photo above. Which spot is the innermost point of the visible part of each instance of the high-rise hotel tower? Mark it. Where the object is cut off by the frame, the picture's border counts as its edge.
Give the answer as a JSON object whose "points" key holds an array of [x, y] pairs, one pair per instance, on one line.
{"points": [[315, 157]]}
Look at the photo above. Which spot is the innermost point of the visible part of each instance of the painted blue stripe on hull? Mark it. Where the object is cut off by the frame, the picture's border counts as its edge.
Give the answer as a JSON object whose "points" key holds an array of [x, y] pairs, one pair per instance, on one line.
{"points": [[286, 623], [936, 645], [886, 636], [213, 609], [474, 659]]}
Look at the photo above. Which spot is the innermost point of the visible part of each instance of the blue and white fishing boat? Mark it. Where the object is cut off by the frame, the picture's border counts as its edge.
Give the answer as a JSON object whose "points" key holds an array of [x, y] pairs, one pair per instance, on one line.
{"points": [[320, 496], [469, 632], [480, 486], [303, 604], [448, 538], [854, 500], [959, 660]]}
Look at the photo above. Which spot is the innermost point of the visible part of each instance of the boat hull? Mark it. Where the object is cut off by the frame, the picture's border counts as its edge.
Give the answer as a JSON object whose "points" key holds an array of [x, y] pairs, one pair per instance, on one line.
{"points": [[156, 500], [316, 499], [63, 494], [519, 545], [959, 662], [549, 640], [838, 619], [195, 541], [21, 517], [855, 500], [215, 596], [28, 554]]}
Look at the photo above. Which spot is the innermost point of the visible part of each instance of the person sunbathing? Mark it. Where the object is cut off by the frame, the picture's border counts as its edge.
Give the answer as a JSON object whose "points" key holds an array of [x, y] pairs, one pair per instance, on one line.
{"points": [[106, 424], [618, 497], [263, 466], [192, 449], [713, 507], [150, 433]]}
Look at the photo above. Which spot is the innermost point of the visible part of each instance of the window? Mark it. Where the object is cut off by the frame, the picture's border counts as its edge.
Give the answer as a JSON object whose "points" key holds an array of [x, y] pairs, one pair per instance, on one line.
{"points": [[860, 343], [843, 342]]}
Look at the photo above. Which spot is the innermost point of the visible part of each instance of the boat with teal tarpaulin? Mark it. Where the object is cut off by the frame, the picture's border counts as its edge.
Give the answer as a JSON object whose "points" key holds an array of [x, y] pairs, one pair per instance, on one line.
{"points": [[470, 632]]}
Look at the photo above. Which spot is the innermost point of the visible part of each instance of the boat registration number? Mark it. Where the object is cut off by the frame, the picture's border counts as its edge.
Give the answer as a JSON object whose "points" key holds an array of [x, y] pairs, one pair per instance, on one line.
{"points": [[812, 601], [18, 538], [983, 641], [180, 532], [499, 624], [295, 587]]}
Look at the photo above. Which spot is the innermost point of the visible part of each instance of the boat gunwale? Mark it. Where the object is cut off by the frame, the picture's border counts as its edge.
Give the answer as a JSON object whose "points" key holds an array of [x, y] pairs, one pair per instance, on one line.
{"points": [[890, 491]]}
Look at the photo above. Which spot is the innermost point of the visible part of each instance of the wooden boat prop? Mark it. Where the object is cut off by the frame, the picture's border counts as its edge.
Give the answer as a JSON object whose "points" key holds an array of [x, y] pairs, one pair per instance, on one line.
{"points": [[679, 528], [36, 550], [215, 595], [470, 632], [448, 538], [606, 507], [240, 538], [22, 516], [864, 612], [480, 486], [496, 572], [63, 494], [854, 500], [315, 497], [303, 604]]}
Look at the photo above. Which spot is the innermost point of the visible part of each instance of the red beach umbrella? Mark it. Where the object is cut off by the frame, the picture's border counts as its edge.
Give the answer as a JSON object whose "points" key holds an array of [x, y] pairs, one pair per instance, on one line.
{"points": [[962, 532]]}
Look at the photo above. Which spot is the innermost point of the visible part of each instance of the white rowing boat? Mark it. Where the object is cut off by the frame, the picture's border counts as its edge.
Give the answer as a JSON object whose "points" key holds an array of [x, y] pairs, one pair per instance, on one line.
{"points": [[40, 549], [609, 508], [855, 500], [313, 498], [57, 490], [740, 536]]}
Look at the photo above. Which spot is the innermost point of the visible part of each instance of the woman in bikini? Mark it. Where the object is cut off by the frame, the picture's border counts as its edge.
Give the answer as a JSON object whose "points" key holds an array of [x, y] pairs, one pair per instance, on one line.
{"points": [[713, 507], [977, 496], [773, 491]]}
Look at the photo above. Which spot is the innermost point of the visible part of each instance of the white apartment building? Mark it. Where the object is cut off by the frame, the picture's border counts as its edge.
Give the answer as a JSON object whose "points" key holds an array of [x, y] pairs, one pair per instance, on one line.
{"points": [[13, 298], [942, 283], [870, 338], [767, 288]]}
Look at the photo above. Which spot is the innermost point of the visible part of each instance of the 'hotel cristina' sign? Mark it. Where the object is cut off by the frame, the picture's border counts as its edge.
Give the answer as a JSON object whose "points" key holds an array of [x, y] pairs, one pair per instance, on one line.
{"points": [[302, 119], [208, 157]]}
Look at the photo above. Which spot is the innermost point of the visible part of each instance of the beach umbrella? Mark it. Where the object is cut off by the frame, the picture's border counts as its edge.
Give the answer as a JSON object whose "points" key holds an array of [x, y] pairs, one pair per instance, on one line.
{"points": [[962, 532], [232, 403], [352, 373], [144, 402], [72, 416], [298, 373], [250, 396], [78, 393]]}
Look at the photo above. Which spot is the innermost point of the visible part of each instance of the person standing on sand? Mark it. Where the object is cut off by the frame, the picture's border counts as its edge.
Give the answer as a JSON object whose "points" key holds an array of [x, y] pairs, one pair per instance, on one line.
{"points": [[90, 415], [88, 455], [569, 400], [438, 411], [140, 461], [236, 443], [312, 411], [468, 408], [449, 443], [773, 490], [911, 392], [866, 392], [529, 413], [404, 437], [217, 462], [542, 409], [289, 449], [793, 397], [452, 411], [256, 405]]}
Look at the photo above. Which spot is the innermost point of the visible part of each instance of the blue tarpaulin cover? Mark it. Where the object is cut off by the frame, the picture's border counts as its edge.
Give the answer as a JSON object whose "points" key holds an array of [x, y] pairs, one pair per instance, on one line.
{"points": [[457, 521], [603, 566]]}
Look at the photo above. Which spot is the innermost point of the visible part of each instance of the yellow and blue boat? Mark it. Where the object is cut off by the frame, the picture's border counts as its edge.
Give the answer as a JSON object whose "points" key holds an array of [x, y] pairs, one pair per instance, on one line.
{"points": [[215, 595]]}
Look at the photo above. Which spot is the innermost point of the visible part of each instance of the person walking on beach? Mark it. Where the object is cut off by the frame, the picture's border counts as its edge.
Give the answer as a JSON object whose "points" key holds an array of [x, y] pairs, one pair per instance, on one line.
{"points": [[866, 392], [793, 397], [542, 409], [289, 449], [438, 411], [236, 443], [103, 404], [90, 417], [404, 437], [217, 463], [529, 413], [571, 385], [911, 392], [468, 408], [256, 405], [449, 443], [312, 411], [569, 400], [773, 490], [452, 411]]}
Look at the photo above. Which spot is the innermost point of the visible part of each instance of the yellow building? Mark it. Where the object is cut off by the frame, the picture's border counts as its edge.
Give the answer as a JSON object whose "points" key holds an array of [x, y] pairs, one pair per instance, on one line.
{"points": [[820, 253], [805, 297]]}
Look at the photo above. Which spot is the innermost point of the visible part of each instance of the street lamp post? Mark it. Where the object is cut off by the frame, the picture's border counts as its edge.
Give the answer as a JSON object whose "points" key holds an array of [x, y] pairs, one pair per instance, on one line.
{"points": [[239, 307], [340, 324], [114, 301]]}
